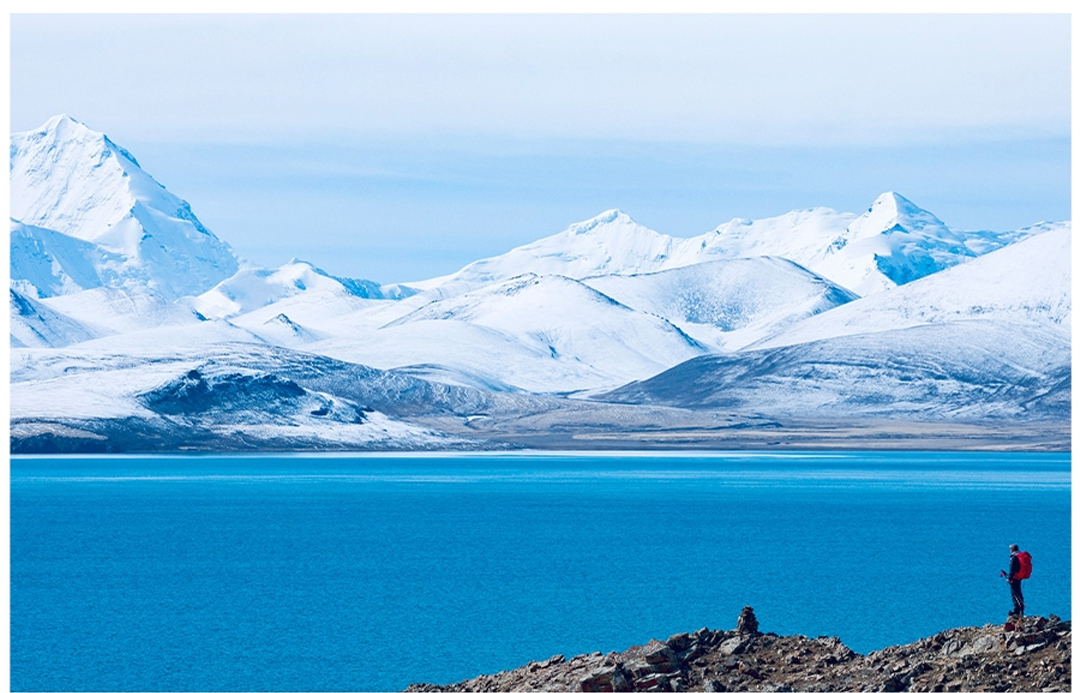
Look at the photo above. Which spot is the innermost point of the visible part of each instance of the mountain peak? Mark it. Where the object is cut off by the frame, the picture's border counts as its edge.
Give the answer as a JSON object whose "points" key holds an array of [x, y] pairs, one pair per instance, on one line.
{"points": [[62, 120], [62, 128], [62, 131], [70, 179], [894, 204], [611, 216], [891, 210], [892, 243], [64, 135]]}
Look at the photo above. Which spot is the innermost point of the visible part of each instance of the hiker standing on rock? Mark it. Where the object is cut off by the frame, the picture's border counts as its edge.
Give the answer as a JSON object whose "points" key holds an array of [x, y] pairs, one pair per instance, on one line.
{"points": [[1019, 570]]}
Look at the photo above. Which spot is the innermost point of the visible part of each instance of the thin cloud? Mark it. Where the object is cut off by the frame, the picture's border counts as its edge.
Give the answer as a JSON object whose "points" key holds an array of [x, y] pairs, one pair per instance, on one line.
{"points": [[758, 79]]}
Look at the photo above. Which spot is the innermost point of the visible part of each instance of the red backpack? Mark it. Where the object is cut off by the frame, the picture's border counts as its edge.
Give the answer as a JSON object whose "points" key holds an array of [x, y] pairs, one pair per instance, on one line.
{"points": [[1025, 565]]}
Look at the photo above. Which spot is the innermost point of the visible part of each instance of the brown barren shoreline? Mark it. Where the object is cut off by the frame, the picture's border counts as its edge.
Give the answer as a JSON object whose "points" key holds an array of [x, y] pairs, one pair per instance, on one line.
{"points": [[1034, 655]]}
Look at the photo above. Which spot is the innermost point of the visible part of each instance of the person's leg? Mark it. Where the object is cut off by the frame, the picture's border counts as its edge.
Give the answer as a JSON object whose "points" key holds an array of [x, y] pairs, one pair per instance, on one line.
{"points": [[1017, 598]]}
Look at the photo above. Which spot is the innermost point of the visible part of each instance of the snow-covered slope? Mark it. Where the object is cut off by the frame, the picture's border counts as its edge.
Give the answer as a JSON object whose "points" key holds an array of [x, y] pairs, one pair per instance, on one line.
{"points": [[541, 333], [75, 181], [1026, 282], [974, 369], [802, 236], [230, 397], [727, 303], [122, 311], [461, 353], [48, 263], [34, 324]]}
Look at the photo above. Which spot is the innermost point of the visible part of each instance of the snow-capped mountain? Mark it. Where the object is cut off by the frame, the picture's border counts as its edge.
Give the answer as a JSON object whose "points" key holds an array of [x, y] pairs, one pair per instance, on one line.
{"points": [[610, 243], [892, 243], [72, 180], [539, 333], [134, 327], [1028, 282], [552, 333], [989, 338], [104, 246], [252, 288]]}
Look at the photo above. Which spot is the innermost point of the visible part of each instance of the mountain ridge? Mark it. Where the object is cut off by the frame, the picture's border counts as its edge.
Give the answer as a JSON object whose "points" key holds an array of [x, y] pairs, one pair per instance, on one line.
{"points": [[606, 315]]}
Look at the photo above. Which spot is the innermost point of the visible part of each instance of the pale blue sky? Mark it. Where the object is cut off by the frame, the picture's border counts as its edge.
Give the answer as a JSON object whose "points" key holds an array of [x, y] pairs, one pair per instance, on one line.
{"points": [[399, 147]]}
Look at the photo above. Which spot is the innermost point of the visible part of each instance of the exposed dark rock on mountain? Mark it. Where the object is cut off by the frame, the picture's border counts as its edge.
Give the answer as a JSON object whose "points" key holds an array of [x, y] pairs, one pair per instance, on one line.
{"points": [[1035, 656]]}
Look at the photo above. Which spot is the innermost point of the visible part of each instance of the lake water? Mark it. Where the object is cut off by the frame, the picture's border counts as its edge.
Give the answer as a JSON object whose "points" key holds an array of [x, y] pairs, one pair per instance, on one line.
{"points": [[373, 572]]}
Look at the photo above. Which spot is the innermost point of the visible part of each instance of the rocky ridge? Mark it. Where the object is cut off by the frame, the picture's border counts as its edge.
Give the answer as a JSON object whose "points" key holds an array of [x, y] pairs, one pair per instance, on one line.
{"points": [[1029, 655]]}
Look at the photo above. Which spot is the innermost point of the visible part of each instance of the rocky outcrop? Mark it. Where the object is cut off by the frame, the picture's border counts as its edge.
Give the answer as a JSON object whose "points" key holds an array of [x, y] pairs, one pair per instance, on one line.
{"points": [[1032, 655]]}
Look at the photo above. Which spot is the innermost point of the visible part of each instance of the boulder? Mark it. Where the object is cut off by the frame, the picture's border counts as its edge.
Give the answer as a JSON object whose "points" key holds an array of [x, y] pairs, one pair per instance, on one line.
{"points": [[679, 641], [660, 657], [609, 678]]}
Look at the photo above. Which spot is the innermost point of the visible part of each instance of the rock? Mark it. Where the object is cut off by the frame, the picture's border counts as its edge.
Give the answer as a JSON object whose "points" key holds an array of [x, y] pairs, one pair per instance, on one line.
{"points": [[985, 643], [969, 658], [657, 651], [693, 653], [748, 670], [747, 621], [1029, 648], [611, 678], [679, 642], [652, 682], [639, 668]]}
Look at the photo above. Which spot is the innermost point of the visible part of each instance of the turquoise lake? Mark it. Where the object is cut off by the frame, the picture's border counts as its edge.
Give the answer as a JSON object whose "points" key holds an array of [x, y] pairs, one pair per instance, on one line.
{"points": [[373, 572]]}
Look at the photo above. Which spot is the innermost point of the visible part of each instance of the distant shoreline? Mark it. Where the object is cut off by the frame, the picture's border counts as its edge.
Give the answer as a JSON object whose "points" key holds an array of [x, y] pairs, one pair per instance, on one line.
{"points": [[542, 434], [688, 451]]}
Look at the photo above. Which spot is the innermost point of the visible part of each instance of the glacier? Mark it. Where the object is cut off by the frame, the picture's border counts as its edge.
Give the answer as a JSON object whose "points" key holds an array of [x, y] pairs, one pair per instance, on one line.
{"points": [[136, 328]]}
